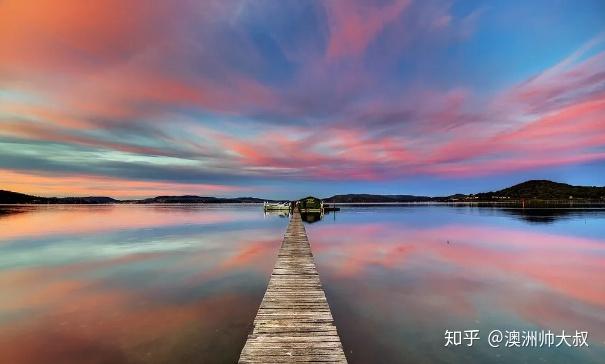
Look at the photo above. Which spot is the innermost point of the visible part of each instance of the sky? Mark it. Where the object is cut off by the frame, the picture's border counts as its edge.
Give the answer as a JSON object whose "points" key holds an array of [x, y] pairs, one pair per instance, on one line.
{"points": [[282, 99]]}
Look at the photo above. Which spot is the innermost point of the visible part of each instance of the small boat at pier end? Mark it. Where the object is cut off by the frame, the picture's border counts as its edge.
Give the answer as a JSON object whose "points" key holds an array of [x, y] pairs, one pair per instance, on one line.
{"points": [[276, 206]]}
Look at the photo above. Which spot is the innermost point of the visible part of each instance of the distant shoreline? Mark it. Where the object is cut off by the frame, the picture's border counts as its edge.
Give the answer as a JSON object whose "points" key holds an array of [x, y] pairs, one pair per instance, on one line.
{"points": [[536, 192], [513, 204]]}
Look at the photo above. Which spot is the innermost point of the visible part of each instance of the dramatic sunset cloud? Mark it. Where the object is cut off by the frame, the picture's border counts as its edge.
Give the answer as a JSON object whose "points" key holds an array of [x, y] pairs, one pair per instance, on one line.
{"points": [[279, 99]]}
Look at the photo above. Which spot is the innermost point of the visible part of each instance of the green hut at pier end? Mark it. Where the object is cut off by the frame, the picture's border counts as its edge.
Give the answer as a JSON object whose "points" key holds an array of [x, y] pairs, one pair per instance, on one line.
{"points": [[310, 204]]}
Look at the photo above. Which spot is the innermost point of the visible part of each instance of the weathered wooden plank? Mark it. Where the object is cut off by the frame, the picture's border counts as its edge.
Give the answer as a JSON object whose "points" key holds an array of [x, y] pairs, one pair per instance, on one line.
{"points": [[294, 323], [296, 339], [298, 359]]}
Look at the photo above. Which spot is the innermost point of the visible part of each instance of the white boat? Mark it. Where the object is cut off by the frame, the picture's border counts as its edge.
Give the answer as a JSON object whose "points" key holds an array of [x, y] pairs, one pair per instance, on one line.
{"points": [[276, 205], [280, 213]]}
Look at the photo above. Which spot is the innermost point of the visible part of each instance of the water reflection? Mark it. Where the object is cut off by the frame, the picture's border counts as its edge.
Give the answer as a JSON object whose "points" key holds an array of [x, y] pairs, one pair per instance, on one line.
{"points": [[145, 284], [9, 210], [547, 216], [30, 221], [132, 283], [310, 217], [278, 213], [397, 278]]}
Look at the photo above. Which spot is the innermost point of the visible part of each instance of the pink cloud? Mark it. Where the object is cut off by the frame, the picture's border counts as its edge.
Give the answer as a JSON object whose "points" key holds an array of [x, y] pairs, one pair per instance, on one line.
{"points": [[197, 90], [353, 25], [574, 79], [443, 137]]}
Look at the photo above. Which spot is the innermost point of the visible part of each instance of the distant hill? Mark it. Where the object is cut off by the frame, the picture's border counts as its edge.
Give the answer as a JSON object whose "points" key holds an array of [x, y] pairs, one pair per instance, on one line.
{"points": [[529, 190], [199, 199], [533, 189], [8, 197], [546, 190], [367, 198], [82, 200]]}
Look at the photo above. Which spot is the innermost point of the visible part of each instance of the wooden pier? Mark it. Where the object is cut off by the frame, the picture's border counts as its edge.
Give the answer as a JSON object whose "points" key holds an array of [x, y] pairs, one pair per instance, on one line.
{"points": [[294, 323]]}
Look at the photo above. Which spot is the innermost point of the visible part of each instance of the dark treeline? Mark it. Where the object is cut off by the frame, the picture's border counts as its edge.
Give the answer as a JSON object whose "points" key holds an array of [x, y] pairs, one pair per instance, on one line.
{"points": [[536, 190], [542, 190]]}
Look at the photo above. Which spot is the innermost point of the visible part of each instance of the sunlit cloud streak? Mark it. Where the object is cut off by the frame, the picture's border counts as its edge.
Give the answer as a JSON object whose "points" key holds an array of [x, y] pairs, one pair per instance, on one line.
{"points": [[223, 97]]}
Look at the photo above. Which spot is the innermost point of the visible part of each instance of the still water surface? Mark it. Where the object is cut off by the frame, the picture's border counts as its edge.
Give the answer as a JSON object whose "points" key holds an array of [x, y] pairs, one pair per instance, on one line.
{"points": [[179, 284]]}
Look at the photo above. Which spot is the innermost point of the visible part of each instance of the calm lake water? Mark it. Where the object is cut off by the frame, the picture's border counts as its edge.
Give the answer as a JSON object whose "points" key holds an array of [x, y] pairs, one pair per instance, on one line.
{"points": [[180, 284]]}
